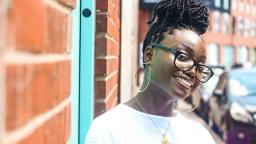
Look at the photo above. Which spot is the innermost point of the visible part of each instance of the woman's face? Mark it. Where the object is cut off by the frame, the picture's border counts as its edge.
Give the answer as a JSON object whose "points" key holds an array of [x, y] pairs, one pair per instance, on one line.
{"points": [[165, 74]]}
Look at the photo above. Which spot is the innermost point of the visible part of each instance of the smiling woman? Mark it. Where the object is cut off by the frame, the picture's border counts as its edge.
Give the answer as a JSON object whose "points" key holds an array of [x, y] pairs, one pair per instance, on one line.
{"points": [[174, 58]]}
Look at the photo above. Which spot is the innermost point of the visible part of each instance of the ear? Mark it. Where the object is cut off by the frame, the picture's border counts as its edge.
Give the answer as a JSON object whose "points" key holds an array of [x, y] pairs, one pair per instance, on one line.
{"points": [[147, 55]]}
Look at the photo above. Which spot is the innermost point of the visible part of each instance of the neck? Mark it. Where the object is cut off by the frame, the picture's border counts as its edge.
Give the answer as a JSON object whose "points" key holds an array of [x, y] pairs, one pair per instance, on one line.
{"points": [[156, 100]]}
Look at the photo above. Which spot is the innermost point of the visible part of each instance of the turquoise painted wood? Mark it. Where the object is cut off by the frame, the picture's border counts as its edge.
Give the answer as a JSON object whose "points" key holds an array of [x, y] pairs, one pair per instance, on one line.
{"points": [[75, 74], [86, 95]]}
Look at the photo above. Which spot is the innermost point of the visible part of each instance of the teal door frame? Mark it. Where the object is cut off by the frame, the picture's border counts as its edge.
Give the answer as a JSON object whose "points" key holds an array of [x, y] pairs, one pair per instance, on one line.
{"points": [[86, 88], [75, 74], [82, 70]]}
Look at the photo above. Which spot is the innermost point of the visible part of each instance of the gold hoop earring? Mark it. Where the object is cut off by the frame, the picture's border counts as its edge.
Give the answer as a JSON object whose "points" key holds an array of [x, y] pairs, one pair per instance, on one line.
{"points": [[184, 110], [149, 77]]}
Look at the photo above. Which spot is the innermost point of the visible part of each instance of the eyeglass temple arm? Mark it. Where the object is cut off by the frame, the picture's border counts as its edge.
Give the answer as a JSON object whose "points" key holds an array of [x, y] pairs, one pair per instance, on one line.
{"points": [[164, 48]]}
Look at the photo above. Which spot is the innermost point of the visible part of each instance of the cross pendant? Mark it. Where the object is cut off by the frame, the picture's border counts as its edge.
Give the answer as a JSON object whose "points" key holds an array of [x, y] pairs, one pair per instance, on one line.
{"points": [[165, 140]]}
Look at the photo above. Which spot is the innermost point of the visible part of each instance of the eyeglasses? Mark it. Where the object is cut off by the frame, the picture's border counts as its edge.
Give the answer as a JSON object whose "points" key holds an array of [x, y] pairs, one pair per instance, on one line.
{"points": [[185, 62]]}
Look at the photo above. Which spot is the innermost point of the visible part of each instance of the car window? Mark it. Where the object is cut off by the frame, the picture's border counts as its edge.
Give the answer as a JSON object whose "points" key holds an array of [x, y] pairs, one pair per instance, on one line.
{"points": [[243, 84], [208, 87]]}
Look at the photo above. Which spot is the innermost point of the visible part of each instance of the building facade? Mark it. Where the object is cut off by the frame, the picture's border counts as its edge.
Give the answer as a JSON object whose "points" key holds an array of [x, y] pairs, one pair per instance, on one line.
{"points": [[230, 37]]}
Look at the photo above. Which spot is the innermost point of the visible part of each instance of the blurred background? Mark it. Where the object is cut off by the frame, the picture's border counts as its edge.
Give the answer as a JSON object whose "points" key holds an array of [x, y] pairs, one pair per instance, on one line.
{"points": [[65, 62]]}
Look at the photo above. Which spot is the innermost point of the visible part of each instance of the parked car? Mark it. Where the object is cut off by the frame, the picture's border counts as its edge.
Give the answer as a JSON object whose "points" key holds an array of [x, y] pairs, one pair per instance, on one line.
{"points": [[206, 90], [233, 106]]}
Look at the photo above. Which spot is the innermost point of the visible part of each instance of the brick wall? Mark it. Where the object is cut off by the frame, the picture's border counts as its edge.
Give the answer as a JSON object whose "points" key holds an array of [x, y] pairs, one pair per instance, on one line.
{"points": [[35, 66], [107, 55]]}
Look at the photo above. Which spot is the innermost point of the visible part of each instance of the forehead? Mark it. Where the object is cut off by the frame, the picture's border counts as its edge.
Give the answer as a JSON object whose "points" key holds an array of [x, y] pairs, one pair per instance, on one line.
{"points": [[184, 39]]}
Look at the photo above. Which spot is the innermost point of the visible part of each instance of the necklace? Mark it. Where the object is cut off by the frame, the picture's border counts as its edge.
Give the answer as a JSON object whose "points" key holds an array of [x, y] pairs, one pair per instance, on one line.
{"points": [[165, 139]]}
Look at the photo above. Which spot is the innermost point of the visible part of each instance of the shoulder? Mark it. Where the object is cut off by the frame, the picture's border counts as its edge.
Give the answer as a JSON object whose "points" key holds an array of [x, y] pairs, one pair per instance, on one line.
{"points": [[108, 117], [103, 126], [195, 130]]}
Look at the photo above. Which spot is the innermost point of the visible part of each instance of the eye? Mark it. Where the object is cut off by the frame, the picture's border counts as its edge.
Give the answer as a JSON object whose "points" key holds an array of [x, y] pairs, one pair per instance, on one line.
{"points": [[201, 69], [183, 58]]}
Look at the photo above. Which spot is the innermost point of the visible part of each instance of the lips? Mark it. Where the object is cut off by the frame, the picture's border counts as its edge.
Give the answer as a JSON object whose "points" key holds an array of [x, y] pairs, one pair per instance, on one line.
{"points": [[187, 83]]}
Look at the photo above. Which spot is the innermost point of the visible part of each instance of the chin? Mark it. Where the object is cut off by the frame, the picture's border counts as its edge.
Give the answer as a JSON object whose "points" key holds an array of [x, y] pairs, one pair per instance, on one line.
{"points": [[180, 95]]}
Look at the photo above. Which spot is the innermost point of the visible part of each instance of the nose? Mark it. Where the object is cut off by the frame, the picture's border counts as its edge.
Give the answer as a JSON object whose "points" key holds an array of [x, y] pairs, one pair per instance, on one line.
{"points": [[192, 72]]}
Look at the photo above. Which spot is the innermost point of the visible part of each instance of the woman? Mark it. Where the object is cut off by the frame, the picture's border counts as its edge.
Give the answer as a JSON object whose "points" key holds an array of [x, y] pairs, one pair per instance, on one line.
{"points": [[174, 57]]}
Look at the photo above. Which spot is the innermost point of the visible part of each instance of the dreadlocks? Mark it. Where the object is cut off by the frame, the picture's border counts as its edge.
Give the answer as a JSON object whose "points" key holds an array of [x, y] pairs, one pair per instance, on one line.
{"points": [[176, 14]]}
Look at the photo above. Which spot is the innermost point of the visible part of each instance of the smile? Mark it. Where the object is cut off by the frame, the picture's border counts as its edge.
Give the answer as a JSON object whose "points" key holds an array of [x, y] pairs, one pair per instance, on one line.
{"points": [[184, 81]]}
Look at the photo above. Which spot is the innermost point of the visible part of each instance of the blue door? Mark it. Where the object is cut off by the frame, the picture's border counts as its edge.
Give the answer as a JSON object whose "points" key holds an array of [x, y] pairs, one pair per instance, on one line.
{"points": [[82, 72], [86, 94]]}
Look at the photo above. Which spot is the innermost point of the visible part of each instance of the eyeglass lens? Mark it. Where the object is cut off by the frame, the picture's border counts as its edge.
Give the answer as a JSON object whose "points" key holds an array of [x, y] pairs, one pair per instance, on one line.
{"points": [[185, 62]]}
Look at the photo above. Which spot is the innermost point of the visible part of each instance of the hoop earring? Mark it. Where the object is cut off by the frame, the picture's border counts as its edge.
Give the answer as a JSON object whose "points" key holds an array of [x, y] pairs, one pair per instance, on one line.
{"points": [[149, 77], [184, 110]]}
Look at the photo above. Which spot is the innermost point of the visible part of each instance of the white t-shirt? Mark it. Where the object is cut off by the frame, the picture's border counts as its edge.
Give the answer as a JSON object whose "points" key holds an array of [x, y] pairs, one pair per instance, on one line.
{"points": [[124, 125]]}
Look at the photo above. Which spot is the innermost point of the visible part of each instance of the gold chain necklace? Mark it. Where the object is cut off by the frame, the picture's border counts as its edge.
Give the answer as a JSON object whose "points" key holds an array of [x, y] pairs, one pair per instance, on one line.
{"points": [[165, 139]]}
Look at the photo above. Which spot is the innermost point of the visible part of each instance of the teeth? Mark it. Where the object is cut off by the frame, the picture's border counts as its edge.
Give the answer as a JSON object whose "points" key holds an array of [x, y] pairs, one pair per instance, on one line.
{"points": [[184, 81]]}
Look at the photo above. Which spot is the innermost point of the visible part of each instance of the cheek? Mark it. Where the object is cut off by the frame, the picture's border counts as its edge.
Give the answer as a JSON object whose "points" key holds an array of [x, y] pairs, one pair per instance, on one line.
{"points": [[196, 86]]}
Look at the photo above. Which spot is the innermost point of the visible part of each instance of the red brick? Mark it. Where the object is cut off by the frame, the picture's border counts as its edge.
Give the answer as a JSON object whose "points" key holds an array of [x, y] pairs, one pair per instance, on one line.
{"points": [[99, 108], [37, 136], [102, 5], [111, 9], [104, 67], [69, 34], [105, 24], [101, 23], [28, 19], [105, 46], [52, 131], [56, 32], [112, 99], [102, 88], [70, 3], [63, 69], [39, 27], [67, 123], [107, 43], [113, 31], [50, 85], [34, 88], [11, 99], [107, 104]]}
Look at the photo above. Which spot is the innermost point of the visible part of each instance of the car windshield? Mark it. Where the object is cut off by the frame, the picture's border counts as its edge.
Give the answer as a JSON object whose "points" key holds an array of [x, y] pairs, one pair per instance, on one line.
{"points": [[242, 84]]}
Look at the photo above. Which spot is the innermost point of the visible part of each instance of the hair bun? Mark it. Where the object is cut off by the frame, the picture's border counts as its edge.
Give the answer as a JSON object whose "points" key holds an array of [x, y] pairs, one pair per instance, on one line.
{"points": [[191, 14]]}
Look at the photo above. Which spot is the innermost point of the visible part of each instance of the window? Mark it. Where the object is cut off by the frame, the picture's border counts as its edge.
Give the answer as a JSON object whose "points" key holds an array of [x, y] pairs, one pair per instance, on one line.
{"points": [[225, 23], [216, 24], [233, 25], [253, 57], [212, 54], [253, 28], [247, 27], [240, 25], [234, 4], [227, 56], [247, 9], [242, 54], [217, 3], [241, 6], [226, 4], [255, 10]]}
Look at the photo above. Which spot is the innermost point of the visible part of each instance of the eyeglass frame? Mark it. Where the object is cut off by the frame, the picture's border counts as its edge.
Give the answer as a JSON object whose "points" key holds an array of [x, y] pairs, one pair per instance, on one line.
{"points": [[176, 53]]}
